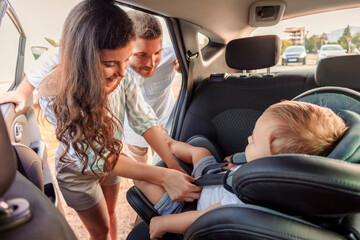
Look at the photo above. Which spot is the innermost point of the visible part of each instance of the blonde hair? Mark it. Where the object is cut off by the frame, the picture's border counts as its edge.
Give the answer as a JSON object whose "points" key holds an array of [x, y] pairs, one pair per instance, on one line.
{"points": [[305, 128]]}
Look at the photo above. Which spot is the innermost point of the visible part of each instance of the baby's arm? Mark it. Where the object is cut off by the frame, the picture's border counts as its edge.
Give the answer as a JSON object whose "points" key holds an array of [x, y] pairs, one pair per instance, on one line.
{"points": [[175, 223]]}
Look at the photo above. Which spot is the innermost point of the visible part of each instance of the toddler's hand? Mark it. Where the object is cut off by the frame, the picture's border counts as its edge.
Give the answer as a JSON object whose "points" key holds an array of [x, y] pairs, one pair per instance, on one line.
{"points": [[156, 228], [230, 165], [228, 158]]}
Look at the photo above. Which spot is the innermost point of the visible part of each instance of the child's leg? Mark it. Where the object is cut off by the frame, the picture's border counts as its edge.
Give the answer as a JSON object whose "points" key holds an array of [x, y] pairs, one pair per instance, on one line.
{"points": [[151, 191], [186, 152]]}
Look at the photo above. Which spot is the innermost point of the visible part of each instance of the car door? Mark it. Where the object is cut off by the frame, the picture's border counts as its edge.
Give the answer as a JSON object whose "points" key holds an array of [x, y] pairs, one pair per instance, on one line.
{"points": [[33, 182]]}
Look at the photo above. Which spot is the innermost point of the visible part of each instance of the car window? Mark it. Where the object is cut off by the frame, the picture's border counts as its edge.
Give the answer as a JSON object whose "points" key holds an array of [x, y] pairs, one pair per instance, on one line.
{"points": [[314, 34], [203, 40], [9, 45], [294, 49], [331, 48]]}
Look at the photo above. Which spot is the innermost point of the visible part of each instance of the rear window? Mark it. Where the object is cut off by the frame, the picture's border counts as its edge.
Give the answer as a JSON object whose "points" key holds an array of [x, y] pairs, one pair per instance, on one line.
{"points": [[331, 48], [294, 49], [311, 33]]}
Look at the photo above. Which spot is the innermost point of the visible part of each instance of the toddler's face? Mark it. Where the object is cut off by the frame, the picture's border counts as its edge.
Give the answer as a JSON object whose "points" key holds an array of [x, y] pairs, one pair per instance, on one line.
{"points": [[259, 141]]}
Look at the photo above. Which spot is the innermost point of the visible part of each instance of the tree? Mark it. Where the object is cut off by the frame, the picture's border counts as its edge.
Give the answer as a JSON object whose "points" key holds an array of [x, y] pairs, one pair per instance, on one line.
{"points": [[313, 43], [356, 39], [285, 44], [345, 39]]}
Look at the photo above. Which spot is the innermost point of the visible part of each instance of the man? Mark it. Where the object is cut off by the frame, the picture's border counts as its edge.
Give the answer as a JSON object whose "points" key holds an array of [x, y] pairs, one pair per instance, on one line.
{"points": [[153, 68], [151, 65]]}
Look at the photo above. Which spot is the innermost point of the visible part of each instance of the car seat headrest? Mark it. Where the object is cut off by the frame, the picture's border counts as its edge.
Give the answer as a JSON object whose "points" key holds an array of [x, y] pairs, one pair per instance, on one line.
{"points": [[346, 103], [342, 71], [253, 52], [348, 149]]}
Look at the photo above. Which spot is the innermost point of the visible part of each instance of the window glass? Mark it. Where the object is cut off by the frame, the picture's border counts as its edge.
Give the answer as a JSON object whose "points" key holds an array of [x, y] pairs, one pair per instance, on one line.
{"points": [[9, 44], [203, 40], [317, 37]]}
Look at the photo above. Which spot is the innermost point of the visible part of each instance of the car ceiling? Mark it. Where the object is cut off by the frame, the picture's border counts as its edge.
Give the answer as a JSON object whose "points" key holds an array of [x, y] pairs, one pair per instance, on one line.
{"points": [[224, 20]]}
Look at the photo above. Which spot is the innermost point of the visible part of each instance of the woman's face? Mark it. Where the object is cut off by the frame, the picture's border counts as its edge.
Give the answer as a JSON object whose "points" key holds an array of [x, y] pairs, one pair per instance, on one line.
{"points": [[114, 63]]}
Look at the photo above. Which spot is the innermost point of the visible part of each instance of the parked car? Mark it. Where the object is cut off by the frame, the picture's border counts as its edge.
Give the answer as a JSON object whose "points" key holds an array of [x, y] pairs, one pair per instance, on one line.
{"points": [[330, 50], [294, 197], [294, 54]]}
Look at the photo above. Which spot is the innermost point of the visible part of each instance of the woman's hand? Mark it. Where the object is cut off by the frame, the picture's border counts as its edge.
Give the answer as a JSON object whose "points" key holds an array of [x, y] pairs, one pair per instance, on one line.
{"points": [[156, 228], [179, 186]]}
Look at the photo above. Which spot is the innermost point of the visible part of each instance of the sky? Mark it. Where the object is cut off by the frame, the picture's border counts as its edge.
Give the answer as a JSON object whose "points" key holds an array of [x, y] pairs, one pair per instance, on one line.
{"points": [[44, 18], [316, 24]]}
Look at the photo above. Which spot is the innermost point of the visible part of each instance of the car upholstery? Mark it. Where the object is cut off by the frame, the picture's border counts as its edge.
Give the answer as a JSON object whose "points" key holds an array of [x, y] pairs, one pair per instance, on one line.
{"points": [[288, 196]]}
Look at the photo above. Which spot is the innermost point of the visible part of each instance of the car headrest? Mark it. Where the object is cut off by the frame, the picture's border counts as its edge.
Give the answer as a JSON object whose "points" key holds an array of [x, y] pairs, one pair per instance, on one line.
{"points": [[342, 71], [8, 164], [253, 52], [348, 149], [346, 103]]}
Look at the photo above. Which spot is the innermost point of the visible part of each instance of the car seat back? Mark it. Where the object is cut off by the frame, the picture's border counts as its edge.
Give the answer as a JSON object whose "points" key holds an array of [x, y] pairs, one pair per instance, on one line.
{"points": [[224, 107]]}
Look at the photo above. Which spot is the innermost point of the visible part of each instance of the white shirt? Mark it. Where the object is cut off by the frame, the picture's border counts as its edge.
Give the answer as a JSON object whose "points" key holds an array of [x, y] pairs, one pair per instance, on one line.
{"points": [[211, 195], [42, 66], [157, 92]]}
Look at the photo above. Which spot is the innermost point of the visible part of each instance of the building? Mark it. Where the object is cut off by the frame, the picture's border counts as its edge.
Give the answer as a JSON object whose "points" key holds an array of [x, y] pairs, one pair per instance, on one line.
{"points": [[296, 35]]}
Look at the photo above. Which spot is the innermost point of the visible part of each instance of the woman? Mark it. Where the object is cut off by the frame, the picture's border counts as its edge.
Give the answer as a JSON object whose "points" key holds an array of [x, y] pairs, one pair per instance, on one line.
{"points": [[85, 97]]}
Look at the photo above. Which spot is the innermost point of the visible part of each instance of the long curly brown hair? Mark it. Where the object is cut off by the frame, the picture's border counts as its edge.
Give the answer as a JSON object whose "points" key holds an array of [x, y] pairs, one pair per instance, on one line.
{"points": [[81, 104]]}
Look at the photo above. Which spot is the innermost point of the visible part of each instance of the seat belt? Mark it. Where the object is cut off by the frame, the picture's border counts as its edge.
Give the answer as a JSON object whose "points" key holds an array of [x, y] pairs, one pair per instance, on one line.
{"points": [[213, 175]]}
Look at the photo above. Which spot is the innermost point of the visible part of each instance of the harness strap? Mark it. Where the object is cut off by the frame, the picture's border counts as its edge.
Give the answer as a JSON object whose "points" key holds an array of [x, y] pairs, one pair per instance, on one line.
{"points": [[210, 179], [213, 175]]}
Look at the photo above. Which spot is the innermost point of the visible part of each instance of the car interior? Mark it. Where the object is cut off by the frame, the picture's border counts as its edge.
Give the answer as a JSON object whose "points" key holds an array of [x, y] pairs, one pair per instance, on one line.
{"points": [[302, 187], [223, 93], [287, 197]]}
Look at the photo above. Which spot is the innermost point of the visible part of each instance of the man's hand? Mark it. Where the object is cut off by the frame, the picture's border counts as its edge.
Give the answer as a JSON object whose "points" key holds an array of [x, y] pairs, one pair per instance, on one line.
{"points": [[19, 96], [14, 97], [179, 186], [156, 228], [177, 66]]}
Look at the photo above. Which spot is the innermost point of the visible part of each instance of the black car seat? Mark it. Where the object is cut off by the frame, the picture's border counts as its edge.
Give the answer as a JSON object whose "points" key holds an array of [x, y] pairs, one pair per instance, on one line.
{"points": [[25, 212], [298, 185], [284, 206]]}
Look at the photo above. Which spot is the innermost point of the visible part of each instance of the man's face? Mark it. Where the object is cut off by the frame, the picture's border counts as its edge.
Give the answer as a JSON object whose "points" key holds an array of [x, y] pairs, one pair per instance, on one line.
{"points": [[146, 56]]}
